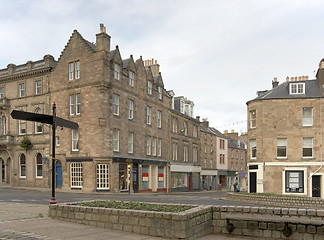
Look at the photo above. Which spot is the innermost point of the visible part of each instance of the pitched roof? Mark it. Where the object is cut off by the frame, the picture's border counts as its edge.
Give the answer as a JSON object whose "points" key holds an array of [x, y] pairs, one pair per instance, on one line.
{"points": [[126, 62], [312, 90]]}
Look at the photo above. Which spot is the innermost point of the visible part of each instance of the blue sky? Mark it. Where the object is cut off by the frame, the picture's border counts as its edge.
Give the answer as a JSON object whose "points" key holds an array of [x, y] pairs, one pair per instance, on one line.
{"points": [[216, 53]]}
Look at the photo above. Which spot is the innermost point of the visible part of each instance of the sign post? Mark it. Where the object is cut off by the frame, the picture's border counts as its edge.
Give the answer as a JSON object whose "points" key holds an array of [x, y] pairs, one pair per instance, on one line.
{"points": [[47, 119]]}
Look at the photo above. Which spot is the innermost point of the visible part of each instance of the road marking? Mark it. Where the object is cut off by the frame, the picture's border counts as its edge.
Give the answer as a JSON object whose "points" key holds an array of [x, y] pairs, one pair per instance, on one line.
{"points": [[16, 200]]}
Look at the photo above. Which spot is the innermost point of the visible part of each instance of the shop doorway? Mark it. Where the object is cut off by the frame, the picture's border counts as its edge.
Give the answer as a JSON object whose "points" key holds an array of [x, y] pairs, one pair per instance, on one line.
{"points": [[316, 186], [58, 178], [135, 177], [253, 179], [3, 170]]}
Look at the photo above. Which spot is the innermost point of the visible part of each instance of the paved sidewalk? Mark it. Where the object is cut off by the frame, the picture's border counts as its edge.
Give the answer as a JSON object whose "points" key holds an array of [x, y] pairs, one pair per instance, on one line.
{"points": [[30, 222]]}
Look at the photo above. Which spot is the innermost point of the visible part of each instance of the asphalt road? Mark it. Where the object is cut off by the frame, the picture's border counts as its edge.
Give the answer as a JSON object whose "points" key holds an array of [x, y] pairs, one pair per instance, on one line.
{"points": [[43, 197]]}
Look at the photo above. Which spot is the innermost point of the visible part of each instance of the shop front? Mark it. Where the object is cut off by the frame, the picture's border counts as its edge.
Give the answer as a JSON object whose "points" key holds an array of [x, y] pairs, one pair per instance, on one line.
{"points": [[185, 178], [209, 180]]}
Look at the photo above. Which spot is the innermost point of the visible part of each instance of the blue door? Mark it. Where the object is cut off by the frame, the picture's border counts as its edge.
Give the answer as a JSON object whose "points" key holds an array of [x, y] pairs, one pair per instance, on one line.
{"points": [[58, 177]]}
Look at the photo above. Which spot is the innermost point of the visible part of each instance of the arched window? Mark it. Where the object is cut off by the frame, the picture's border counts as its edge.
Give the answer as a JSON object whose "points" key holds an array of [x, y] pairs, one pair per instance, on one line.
{"points": [[22, 166], [39, 166], [38, 125]]}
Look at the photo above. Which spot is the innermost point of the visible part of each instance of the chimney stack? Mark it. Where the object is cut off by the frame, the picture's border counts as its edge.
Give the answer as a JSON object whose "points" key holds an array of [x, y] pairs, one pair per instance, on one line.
{"points": [[154, 66], [102, 40]]}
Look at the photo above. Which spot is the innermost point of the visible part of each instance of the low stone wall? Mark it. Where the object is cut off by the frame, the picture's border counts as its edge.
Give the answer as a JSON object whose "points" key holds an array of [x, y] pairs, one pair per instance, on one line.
{"points": [[266, 223], [190, 224], [301, 202], [269, 222]]}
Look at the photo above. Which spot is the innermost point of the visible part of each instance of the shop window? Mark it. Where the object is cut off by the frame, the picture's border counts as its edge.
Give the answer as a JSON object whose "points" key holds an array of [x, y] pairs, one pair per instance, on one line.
{"points": [[76, 170], [294, 181], [102, 176]]}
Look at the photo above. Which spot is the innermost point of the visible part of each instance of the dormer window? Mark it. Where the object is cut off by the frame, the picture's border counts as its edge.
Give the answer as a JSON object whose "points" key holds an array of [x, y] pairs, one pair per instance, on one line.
{"points": [[297, 88]]}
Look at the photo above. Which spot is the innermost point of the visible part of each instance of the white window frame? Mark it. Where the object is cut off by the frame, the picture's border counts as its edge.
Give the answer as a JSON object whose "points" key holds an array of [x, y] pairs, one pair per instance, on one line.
{"points": [[102, 170], [148, 115], [195, 154], [78, 104], [21, 88], [72, 104], [3, 126], [175, 151], [116, 139], [160, 92], [130, 109], [296, 88], [38, 87], [57, 141], [22, 165], [253, 119], [116, 104], [75, 140], [282, 144], [148, 145], [130, 142], [77, 69], [38, 164], [185, 128], [38, 124], [253, 147], [308, 143], [185, 153], [76, 174], [307, 120], [131, 78], [117, 71], [159, 119], [2, 92], [22, 131], [154, 142], [149, 87], [71, 70], [159, 147]]}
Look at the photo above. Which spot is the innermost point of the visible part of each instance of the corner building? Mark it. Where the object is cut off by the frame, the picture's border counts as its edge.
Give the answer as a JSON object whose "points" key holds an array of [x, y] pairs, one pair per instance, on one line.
{"points": [[285, 138], [122, 110]]}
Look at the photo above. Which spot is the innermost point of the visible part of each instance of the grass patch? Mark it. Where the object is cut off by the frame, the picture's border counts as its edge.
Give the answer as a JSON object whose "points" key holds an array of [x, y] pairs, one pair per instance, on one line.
{"points": [[136, 206]]}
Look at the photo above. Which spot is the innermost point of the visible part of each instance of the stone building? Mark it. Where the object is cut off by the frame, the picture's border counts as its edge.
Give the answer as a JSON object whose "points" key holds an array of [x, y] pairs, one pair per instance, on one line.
{"points": [[285, 136], [214, 158], [122, 110], [25, 87], [184, 146]]}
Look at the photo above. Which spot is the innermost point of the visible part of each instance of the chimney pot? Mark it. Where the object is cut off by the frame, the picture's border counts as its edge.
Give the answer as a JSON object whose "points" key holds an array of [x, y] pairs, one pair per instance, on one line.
{"points": [[287, 79], [299, 78], [225, 131], [303, 77], [306, 77], [232, 131], [292, 79]]}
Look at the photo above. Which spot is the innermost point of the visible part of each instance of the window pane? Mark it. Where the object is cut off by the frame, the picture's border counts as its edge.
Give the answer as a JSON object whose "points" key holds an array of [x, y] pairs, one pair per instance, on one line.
{"points": [[116, 140], [78, 103], [307, 116], [116, 104], [72, 104]]}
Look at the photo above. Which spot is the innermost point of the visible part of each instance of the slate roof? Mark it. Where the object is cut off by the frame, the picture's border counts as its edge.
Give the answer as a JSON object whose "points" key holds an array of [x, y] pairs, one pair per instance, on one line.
{"points": [[126, 62], [312, 90]]}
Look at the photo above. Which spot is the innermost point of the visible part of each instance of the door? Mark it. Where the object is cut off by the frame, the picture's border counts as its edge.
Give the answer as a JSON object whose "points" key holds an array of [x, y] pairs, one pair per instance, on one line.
{"points": [[58, 178], [3, 172], [190, 185], [316, 186], [135, 177], [253, 179]]}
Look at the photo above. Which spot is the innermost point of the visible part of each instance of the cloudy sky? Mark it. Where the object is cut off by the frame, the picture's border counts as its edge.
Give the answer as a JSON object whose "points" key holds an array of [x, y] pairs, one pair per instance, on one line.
{"points": [[216, 53]]}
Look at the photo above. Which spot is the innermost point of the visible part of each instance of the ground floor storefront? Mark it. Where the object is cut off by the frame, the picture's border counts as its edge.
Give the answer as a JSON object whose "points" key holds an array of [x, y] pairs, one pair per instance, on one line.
{"points": [[185, 178], [298, 179]]}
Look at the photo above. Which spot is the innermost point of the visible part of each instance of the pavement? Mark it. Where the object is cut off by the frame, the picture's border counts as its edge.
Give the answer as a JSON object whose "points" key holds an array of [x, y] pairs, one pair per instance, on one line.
{"points": [[25, 221]]}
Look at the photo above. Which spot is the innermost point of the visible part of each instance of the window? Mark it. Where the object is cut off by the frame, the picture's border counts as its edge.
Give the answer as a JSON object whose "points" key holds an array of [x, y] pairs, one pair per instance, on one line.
{"points": [[2, 92], [159, 147], [182, 108], [149, 87], [72, 105], [22, 166], [195, 154], [38, 87], [22, 127], [21, 88], [38, 125], [174, 125], [294, 181], [307, 147], [57, 141], [281, 147], [297, 88], [3, 126], [102, 176], [116, 104], [222, 143], [185, 128], [253, 148], [75, 104], [148, 145], [253, 119], [185, 152], [76, 175], [175, 151], [232, 153], [39, 166], [159, 119], [116, 140], [148, 115], [74, 70], [117, 71], [75, 140], [205, 163], [153, 146], [307, 116], [205, 148], [130, 142], [130, 109], [160, 92], [131, 78], [222, 158], [195, 131]]}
